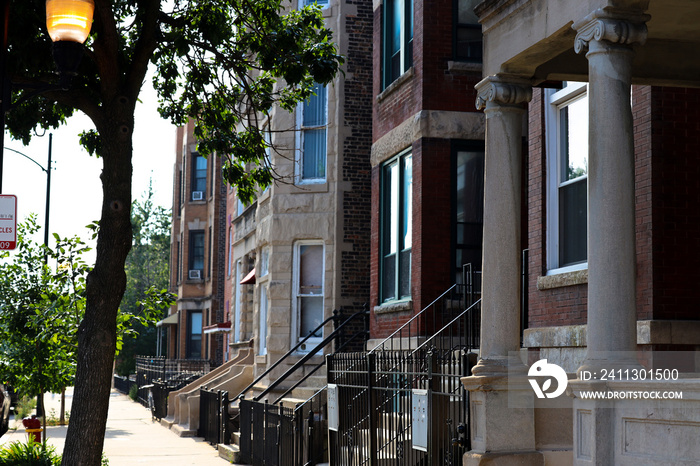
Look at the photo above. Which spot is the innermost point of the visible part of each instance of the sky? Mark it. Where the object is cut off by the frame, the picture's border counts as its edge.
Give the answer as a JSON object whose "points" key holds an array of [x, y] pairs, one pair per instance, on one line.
{"points": [[76, 190]]}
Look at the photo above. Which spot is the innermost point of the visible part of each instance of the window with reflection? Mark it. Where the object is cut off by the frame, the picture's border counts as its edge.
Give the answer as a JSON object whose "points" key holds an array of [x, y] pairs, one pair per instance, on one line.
{"points": [[396, 228], [567, 126]]}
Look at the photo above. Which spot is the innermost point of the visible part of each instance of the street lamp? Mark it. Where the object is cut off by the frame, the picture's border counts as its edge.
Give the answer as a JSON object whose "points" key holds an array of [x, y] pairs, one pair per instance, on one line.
{"points": [[68, 23]]}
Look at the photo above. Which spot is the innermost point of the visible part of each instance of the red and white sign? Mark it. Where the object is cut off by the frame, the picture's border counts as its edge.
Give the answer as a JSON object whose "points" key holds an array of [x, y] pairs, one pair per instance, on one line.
{"points": [[8, 221]]}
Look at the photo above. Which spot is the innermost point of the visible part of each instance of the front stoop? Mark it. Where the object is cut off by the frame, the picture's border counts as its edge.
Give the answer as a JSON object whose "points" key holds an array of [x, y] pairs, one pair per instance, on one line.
{"points": [[230, 453], [182, 431]]}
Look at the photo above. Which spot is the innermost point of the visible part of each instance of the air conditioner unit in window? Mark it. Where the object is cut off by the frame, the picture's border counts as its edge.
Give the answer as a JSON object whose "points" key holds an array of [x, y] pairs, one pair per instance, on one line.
{"points": [[195, 274], [197, 195]]}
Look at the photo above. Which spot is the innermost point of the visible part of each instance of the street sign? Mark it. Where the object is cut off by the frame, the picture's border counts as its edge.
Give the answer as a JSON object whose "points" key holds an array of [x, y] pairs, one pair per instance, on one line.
{"points": [[8, 221]]}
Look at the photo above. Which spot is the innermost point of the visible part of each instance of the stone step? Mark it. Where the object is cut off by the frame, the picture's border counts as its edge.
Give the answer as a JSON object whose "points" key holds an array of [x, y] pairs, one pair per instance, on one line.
{"points": [[230, 453]]}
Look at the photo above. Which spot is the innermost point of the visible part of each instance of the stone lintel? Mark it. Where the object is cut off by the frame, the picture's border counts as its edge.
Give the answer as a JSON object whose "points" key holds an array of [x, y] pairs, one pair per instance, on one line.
{"points": [[428, 124]]}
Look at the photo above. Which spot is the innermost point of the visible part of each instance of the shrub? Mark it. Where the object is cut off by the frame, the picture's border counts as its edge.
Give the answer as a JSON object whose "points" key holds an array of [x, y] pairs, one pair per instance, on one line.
{"points": [[25, 407], [29, 454], [134, 392]]}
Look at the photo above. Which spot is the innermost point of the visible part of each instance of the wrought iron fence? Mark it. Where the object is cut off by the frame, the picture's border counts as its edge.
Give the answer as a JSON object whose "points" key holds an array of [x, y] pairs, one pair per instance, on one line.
{"points": [[123, 384], [214, 418], [276, 435], [176, 373], [418, 368]]}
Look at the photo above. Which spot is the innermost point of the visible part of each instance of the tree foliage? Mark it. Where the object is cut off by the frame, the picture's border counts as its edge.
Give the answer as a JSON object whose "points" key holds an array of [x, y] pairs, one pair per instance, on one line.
{"points": [[42, 293], [146, 275], [42, 302]]}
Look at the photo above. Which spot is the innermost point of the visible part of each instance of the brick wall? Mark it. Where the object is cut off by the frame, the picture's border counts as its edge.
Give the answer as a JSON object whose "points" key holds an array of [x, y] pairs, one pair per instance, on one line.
{"points": [[432, 86], [675, 129], [356, 203], [667, 196]]}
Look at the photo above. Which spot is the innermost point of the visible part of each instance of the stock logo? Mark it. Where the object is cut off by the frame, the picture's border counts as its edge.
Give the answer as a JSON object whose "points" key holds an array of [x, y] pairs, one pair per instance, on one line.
{"points": [[542, 370]]}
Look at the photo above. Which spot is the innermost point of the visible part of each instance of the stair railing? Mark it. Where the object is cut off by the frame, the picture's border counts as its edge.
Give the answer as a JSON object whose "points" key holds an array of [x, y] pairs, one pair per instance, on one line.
{"points": [[307, 356]]}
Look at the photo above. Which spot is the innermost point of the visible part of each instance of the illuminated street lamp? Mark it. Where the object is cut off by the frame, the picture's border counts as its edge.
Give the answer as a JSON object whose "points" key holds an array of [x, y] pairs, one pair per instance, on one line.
{"points": [[68, 23]]}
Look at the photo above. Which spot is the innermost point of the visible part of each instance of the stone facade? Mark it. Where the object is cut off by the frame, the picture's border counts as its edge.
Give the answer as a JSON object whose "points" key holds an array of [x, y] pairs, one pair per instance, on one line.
{"points": [[331, 212]]}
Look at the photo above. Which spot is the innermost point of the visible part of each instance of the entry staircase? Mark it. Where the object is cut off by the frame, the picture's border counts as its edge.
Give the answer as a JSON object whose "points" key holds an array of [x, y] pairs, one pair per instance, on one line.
{"points": [[296, 382]]}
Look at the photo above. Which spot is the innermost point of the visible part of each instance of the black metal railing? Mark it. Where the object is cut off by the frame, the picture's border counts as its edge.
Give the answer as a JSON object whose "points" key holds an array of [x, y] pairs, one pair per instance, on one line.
{"points": [[214, 419], [376, 393], [175, 373], [123, 384], [271, 434], [276, 435]]}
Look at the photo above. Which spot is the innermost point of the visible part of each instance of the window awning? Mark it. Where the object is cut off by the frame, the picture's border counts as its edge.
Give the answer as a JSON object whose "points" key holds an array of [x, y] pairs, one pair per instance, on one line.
{"points": [[221, 327], [172, 319], [249, 279]]}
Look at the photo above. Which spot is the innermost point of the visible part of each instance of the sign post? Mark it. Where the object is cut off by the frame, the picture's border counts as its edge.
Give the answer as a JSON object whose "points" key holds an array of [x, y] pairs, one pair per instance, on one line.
{"points": [[8, 221]]}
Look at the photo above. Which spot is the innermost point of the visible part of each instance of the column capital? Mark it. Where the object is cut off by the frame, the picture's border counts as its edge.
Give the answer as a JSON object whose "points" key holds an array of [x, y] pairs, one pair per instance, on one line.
{"points": [[614, 26], [493, 89]]}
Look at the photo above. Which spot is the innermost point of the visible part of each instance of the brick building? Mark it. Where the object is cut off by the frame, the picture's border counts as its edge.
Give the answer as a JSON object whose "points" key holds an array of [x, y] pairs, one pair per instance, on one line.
{"points": [[427, 155], [197, 321], [611, 227]]}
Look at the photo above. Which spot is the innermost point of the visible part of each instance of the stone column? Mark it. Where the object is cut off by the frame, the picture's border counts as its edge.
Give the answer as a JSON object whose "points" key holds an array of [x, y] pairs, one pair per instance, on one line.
{"points": [[612, 310], [505, 105], [608, 35], [501, 414]]}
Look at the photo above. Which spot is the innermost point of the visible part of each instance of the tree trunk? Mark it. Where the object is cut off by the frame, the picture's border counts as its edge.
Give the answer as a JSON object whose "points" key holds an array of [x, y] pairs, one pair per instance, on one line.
{"points": [[105, 288]]}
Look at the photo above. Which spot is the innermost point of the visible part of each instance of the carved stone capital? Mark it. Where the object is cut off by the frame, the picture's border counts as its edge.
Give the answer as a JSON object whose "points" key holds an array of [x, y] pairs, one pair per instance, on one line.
{"points": [[492, 89], [613, 28]]}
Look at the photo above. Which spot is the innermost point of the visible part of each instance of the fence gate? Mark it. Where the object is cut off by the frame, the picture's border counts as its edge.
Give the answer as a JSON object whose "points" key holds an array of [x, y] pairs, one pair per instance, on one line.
{"points": [[268, 434]]}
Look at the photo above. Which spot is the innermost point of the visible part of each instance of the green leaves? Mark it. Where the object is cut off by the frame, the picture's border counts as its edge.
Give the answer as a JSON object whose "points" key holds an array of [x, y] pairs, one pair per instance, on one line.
{"points": [[227, 63]]}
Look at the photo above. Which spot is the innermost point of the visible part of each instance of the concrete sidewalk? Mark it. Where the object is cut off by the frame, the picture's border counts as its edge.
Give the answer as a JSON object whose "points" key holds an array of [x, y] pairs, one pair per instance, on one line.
{"points": [[131, 437]]}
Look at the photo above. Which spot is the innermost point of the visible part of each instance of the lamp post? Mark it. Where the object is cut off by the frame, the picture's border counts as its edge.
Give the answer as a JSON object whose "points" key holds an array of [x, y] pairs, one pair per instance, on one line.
{"points": [[68, 23], [47, 170]]}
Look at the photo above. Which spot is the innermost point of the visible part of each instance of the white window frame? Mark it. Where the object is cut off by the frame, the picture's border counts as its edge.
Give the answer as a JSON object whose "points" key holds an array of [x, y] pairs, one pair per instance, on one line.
{"points": [[322, 3], [237, 305], [296, 296], [262, 320], [299, 166], [264, 261], [556, 100]]}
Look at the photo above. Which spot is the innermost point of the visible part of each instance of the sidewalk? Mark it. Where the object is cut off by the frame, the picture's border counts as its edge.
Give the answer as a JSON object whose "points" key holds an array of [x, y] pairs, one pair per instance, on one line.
{"points": [[131, 437]]}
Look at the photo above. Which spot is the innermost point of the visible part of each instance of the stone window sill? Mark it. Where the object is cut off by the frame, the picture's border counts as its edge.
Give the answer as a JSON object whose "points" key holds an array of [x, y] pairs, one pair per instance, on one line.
{"points": [[395, 85], [560, 280], [462, 67], [395, 306]]}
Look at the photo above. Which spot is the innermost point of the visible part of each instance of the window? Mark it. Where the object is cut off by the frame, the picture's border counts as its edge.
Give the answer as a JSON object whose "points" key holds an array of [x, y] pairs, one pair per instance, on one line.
{"points": [[262, 349], [230, 251], [237, 335], [197, 252], [321, 3], [398, 39], [194, 335], [308, 291], [199, 177], [264, 261], [467, 36], [468, 213], [396, 228], [567, 195], [312, 119]]}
